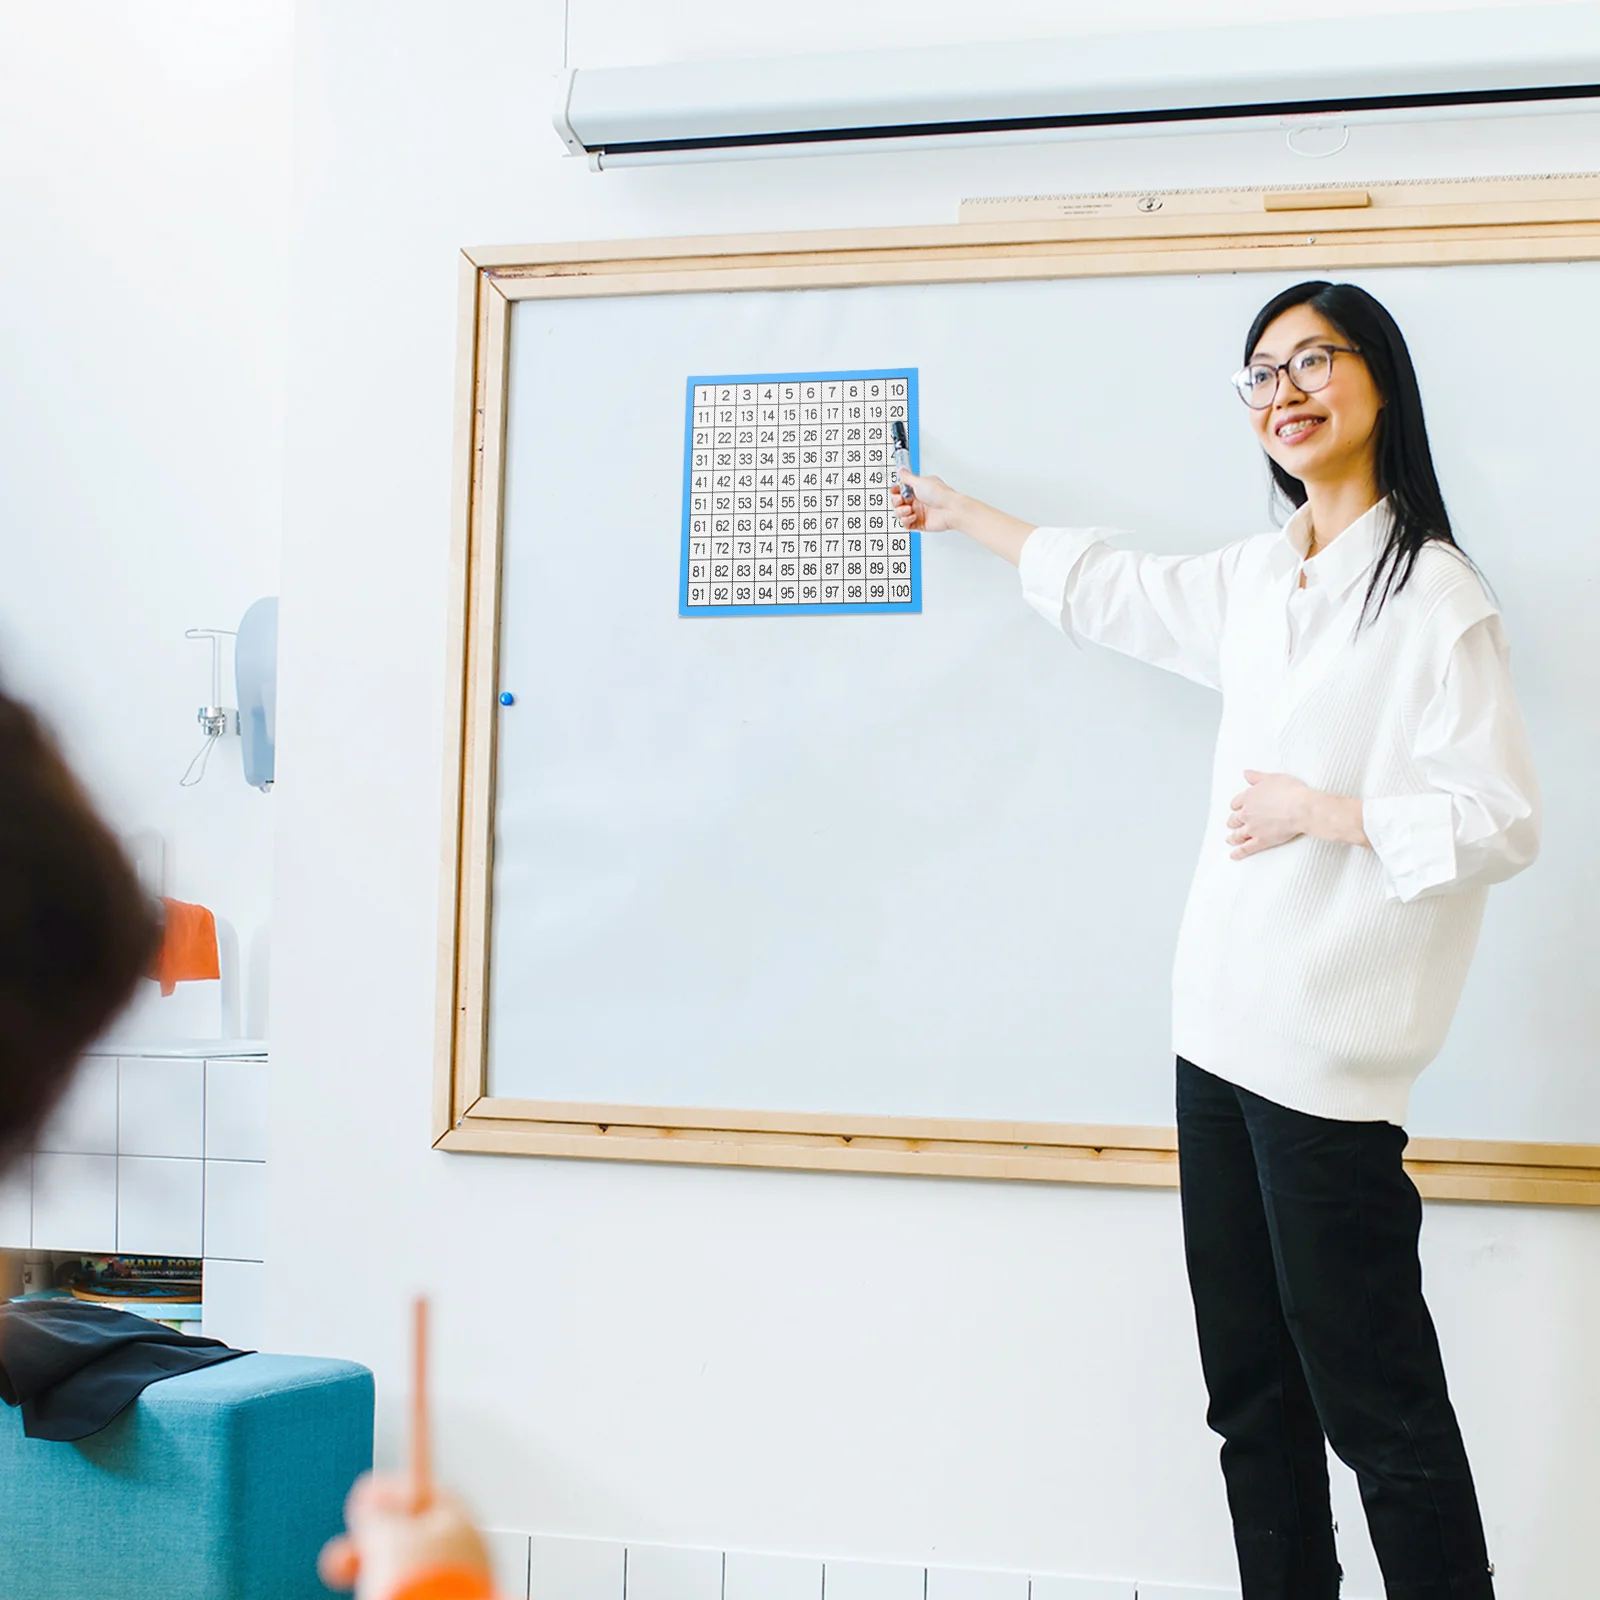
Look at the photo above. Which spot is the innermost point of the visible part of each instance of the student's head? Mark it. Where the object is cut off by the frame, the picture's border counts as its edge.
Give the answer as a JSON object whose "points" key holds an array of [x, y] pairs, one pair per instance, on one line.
{"points": [[1346, 407], [76, 929]]}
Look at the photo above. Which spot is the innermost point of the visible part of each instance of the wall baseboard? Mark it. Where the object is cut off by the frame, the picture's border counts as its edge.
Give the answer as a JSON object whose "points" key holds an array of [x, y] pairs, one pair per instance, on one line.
{"points": [[539, 1566]]}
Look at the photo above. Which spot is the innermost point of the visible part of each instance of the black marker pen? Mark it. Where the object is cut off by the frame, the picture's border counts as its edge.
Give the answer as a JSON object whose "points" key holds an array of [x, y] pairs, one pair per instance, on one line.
{"points": [[902, 454]]}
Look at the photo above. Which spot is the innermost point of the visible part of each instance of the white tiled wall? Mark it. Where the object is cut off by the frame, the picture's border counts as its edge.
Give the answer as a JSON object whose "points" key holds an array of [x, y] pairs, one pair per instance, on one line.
{"points": [[16, 1206], [595, 1569], [508, 1553], [871, 1580], [749, 1576], [74, 1202], [160, 1202], [671, 1572], [137, 1157], [233, 1309], [964, 1583], [85, 1123], [161, 1108], [236, 1210], [1166, 1591], [236, 1110], [576, 1569], [155, 1155], [1054, 1588]]}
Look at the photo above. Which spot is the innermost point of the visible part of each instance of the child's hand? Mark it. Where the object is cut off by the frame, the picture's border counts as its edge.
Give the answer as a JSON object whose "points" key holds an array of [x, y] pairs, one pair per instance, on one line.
{"points": [[389, 1543]]}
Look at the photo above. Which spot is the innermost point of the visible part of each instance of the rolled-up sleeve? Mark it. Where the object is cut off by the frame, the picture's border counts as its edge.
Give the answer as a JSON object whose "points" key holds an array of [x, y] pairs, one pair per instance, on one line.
{"points": [[1478, 821], [1167, 610]]}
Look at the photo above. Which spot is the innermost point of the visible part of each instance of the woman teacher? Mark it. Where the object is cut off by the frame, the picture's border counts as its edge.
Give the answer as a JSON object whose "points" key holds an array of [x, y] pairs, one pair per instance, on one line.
{"points": [[1372, 779]]}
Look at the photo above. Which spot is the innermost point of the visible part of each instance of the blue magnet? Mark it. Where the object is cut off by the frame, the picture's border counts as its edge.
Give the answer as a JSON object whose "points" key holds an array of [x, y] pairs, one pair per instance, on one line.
{"points": [[507, 698]]}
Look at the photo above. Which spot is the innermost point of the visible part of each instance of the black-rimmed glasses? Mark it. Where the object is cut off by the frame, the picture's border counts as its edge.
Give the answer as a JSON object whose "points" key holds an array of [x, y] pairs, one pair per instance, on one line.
{"points": [[1308, 369]]}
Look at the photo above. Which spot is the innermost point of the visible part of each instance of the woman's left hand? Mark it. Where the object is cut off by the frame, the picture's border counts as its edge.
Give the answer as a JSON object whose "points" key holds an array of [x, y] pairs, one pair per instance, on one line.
{"points": [[1272, 811]]}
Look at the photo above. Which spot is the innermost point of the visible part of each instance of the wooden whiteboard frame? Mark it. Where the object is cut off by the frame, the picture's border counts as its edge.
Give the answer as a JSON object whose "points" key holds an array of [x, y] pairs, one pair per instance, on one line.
{"points": [[1510, 220]]}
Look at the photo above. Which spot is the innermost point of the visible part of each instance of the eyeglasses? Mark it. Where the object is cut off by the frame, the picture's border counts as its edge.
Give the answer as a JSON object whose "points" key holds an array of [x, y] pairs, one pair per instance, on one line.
{"points": [[1308, 369]]}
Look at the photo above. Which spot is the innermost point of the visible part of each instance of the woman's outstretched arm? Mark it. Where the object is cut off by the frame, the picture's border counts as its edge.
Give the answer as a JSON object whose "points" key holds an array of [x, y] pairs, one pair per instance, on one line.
{"points": [[936, 508], [1166, 610]]}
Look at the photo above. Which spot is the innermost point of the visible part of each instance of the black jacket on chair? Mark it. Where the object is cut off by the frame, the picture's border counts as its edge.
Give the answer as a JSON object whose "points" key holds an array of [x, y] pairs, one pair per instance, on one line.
{"points": [[72, 1365]]}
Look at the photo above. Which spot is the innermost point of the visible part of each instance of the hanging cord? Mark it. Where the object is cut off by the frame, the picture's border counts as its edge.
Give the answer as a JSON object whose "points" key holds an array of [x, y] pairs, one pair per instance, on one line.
{"points": [[200, 758], [212, 717], [1316, 128]]}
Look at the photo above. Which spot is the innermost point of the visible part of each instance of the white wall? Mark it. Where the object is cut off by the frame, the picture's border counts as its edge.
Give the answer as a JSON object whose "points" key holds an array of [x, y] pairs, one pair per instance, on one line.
{"points": [[629, 33], [144, 168], [988, 1374]]}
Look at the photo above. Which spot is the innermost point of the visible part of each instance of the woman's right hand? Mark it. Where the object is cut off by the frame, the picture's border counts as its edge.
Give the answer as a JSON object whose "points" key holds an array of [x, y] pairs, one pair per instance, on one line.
{"points": [[935, 507], [932, 507]]}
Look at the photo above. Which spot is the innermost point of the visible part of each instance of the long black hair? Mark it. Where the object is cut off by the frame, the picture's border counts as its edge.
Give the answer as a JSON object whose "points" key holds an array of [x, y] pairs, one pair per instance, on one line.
{"points": [[1404, 462]]}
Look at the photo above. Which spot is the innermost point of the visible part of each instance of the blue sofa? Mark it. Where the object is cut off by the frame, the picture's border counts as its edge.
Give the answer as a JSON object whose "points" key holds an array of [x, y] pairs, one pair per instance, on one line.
{"points": [[219, 1484]]}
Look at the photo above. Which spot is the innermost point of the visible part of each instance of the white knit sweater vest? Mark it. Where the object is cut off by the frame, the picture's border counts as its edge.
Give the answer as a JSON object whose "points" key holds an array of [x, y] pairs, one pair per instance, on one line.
{"points": [[1297, 976]]}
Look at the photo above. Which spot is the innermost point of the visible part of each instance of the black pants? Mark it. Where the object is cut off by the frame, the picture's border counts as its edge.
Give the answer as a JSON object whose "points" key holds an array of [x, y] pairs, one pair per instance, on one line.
{"points": [[1301, 1238]]}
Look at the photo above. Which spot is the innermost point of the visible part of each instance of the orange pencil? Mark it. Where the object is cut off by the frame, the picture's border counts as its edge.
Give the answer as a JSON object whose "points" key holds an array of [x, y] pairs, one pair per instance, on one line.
{"points": [[421, 1454]]}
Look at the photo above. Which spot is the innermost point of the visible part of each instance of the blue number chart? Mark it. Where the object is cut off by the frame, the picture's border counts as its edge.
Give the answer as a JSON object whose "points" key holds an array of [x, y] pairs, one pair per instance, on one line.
{"points": [[786, 477]]}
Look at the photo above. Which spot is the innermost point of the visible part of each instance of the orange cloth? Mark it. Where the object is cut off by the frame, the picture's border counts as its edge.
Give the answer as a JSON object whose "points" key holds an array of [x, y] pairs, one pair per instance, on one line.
{"points": [[188, 946], [446, 1585]]}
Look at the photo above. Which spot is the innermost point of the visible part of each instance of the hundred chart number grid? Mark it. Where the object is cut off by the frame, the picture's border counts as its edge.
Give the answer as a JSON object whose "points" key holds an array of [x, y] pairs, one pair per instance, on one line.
{"points": [[785, 484]]}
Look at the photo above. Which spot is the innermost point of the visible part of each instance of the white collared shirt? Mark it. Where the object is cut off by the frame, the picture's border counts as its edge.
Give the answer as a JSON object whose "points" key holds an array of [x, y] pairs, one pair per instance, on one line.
{"points": [[1324, 976], [1478, 825]]}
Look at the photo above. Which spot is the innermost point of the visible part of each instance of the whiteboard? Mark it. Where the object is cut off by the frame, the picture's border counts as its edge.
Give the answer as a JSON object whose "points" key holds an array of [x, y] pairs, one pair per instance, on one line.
{"points": [[933, 866]]}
